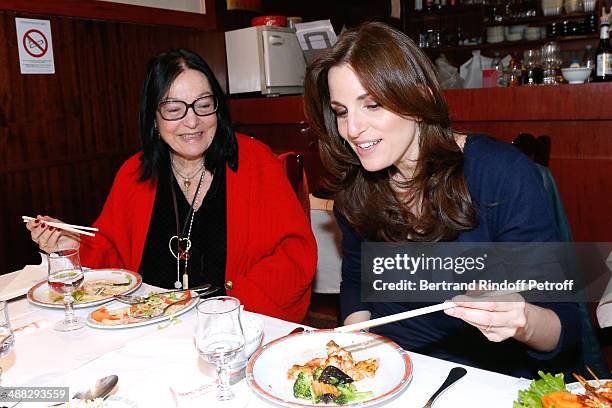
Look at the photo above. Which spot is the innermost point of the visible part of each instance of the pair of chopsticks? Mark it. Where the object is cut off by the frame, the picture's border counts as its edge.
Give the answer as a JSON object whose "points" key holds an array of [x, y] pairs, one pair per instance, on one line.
{"points": [[410, 313], [77, 229]]}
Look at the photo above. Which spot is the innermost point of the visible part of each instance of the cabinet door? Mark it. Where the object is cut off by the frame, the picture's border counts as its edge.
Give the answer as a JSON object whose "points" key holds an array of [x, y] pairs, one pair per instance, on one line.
{"points": [[283, 59]]}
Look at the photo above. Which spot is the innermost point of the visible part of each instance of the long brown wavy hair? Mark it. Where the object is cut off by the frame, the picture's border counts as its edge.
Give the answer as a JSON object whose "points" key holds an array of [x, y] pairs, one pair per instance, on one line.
{"points": [[398, 76]]}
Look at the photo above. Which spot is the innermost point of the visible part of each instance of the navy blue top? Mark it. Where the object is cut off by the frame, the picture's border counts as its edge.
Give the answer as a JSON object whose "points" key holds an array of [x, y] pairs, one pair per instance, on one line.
{"points": [[498, 173]]}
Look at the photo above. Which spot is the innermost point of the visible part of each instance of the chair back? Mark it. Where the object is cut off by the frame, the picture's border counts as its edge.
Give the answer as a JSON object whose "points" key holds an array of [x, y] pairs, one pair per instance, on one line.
{"points": [[537, 149], [294, 168]]}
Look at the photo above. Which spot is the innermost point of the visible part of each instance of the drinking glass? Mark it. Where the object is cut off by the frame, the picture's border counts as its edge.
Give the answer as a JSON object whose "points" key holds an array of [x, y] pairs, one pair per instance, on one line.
{"points": [[219, 338], [551, 61], [535, 72], [66, 276], [7, 339]]}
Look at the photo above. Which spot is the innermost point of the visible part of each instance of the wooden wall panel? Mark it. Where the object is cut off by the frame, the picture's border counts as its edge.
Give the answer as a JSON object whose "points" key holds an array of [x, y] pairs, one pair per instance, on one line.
{"points": [[63, 136]]}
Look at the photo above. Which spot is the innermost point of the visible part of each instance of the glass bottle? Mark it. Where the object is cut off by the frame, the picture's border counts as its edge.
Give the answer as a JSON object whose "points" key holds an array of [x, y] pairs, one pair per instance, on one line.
{"points": [[603, 73], [498, 66], [514, 73]]}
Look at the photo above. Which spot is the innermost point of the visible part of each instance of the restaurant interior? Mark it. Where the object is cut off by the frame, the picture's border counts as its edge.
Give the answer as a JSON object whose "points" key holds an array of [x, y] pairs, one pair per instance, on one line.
{"points": [[64, 135]]}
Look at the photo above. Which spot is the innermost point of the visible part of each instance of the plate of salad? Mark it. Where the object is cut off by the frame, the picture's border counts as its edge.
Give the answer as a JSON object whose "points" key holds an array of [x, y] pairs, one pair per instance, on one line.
{"points": [[99, 286], [120, 316], [551, 391], [324, 368]]}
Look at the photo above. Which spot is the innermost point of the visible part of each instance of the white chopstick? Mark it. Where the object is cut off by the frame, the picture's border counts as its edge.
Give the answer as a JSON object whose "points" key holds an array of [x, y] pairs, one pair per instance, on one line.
{"points": [[413, 313], [394, 317], [77, 229]]}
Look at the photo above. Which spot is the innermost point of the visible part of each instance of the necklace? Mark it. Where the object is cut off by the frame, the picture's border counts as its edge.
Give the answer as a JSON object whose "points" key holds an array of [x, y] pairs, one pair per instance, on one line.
{"points": [[186, 179], [183, 243]]}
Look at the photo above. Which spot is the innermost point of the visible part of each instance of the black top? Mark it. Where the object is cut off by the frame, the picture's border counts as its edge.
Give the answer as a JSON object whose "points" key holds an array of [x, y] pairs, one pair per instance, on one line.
{"points": [[208, 235]]}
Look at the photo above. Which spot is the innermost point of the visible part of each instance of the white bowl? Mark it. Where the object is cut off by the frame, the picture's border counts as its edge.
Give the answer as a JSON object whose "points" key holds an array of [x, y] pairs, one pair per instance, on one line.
{"points": [[576, 75]]}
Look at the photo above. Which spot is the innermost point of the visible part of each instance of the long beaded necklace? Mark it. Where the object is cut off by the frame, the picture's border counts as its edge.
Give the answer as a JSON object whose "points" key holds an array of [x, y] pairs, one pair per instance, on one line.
{"points": [[183, 244]]}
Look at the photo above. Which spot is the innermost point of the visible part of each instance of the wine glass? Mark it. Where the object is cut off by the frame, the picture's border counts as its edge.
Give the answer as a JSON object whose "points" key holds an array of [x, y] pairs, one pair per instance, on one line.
{"points": [[7, 339], [66, 276], [219, 338]]}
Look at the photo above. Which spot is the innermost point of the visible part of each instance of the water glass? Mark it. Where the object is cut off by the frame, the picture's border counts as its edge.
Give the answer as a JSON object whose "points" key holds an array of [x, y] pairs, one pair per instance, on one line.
{"points": [[65, 276], [219, 338], [7, 339]]}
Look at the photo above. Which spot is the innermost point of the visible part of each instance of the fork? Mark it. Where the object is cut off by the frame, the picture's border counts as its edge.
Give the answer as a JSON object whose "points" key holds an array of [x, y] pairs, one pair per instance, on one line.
{"points": [[161, 312], [136, 299]]}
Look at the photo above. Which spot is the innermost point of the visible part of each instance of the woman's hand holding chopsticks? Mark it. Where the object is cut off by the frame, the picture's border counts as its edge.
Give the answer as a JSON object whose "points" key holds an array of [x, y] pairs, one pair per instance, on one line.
{"points": [[509, 316], [50, 235]]}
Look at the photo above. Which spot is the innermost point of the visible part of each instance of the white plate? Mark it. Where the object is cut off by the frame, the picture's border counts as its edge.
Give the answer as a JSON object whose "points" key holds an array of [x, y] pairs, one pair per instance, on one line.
{"points": [[39, 293], [267, 369], [111, 307]]}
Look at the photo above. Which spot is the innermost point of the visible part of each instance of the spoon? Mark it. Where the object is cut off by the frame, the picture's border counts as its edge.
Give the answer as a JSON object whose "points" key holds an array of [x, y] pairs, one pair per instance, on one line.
{"points": [[455, 374], [100, 389]]}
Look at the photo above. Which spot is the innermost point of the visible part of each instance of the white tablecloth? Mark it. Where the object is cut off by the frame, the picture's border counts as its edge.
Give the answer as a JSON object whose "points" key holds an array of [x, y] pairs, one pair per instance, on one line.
{"points": [[160, 367]]}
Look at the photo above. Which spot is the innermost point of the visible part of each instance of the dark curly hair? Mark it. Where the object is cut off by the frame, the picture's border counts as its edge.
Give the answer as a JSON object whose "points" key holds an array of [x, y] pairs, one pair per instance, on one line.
{"points": [[395, 73], [162, 70]]}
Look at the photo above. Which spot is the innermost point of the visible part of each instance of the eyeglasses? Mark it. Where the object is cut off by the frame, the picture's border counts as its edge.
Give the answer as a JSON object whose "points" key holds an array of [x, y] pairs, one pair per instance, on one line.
{"points": [[177, 110]]}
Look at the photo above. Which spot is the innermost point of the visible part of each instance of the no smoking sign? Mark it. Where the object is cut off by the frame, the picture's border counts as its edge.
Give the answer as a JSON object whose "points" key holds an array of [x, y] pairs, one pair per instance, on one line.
{"points": [[35, 46]]}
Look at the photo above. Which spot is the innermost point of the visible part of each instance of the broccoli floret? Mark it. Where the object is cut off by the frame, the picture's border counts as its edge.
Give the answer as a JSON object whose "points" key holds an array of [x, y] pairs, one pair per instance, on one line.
{"points": [[348, 394], [302, 388], [317, 373]]}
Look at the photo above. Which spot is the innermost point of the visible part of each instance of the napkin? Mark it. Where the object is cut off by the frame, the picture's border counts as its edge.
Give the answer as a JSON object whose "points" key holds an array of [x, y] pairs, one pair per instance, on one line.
{"points": [[18, 283]]}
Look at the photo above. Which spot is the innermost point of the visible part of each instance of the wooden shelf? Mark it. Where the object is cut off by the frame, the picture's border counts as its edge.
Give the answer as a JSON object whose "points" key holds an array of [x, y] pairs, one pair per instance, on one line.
{"points": [[512, 44], [445, 12], [539, 20]]}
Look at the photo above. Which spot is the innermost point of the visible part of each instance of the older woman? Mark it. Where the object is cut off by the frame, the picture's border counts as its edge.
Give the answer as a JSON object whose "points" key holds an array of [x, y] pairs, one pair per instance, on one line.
{"points": [[200, 203], [400, 173]]}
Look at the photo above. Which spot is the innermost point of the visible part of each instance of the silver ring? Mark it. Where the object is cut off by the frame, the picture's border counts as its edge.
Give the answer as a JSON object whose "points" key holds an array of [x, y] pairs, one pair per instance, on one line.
{"points": [[43, 245]]}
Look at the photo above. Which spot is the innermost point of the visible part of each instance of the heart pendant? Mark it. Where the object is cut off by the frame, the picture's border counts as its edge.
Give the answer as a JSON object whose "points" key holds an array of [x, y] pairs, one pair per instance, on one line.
{"points": [[187, 183], [183, 245]]}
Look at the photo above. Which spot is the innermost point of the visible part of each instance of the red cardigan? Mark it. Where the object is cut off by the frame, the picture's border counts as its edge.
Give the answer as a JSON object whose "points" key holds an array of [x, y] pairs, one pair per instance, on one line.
{"points": [[271, 251]]}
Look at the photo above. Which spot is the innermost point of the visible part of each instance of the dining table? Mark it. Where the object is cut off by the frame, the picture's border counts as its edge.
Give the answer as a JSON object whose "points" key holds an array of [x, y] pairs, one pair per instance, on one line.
{"points": [[158, 364]]}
